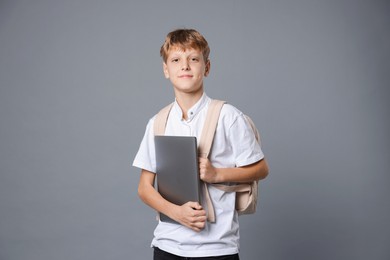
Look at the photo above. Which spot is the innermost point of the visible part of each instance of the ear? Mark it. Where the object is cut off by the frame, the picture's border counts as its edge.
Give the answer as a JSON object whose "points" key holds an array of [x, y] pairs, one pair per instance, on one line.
{"points": [[207, 69], [165, 69]]}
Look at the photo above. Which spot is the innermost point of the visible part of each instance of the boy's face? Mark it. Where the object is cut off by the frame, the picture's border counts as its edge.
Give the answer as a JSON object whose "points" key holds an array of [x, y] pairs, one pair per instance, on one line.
{"points": [[186, 70]]}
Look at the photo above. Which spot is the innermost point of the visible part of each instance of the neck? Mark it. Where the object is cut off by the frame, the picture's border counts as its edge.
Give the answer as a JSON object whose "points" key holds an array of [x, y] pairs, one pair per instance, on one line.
{"points": [[188, 100]]}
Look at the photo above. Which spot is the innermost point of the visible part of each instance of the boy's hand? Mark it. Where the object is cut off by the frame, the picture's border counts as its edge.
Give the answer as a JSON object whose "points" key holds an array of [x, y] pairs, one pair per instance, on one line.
{"points": [[192, 215], [208, 173]]}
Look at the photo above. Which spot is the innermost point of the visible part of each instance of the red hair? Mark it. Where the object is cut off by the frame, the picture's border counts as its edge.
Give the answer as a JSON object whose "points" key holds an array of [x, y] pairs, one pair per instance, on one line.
{"points": [[185, 39]]}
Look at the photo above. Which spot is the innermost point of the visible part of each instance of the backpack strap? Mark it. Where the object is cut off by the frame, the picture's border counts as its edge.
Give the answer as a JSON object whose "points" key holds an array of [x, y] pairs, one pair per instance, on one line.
{"points": [[209, 127], [161, 119], [233, 188], [205, 143]]}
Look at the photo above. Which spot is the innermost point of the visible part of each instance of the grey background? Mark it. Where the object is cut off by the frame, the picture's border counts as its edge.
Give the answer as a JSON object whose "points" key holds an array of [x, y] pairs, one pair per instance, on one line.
{"points": [[80, 79]]}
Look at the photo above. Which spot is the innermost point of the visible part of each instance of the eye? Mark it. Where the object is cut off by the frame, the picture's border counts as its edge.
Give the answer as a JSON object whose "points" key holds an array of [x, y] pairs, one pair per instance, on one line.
{"points": [[175, 60], [194, 59]]}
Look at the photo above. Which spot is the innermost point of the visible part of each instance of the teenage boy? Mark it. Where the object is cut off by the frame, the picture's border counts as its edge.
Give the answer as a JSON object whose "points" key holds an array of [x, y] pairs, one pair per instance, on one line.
{"points": [[235, 157]]}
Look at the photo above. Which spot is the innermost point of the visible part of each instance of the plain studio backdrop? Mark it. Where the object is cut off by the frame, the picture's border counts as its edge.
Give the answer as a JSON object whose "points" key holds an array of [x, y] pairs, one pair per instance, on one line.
{"points": [[80, 79]]}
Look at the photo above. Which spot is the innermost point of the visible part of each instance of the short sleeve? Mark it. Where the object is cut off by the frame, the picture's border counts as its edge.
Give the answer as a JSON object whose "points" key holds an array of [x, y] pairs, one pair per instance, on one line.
{"points": [[246, 149], [146, 155]]}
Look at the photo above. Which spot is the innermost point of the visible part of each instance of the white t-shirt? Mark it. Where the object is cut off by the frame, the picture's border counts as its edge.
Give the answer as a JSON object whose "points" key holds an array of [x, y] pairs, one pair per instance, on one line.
{"points": [[234, 145]]}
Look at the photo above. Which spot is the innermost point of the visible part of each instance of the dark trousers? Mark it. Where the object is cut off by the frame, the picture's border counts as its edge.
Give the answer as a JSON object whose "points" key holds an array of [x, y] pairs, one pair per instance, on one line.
{"points": [[162, 255]]}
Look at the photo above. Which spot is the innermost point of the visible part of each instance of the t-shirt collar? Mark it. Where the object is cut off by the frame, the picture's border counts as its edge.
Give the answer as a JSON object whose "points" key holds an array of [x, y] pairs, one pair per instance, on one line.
{"points": [[194, 110]]}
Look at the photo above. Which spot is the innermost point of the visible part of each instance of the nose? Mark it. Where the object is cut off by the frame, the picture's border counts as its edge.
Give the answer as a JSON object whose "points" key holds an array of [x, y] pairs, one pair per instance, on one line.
{"points": [[185, 65]]}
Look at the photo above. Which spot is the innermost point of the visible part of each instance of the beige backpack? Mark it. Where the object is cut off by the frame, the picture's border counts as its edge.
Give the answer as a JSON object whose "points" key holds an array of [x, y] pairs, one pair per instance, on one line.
{"points": [[246, 193]]}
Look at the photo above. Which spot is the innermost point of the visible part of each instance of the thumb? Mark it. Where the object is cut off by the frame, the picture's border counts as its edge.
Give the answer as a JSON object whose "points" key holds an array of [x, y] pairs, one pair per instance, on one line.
{"points": [[194, 205]]}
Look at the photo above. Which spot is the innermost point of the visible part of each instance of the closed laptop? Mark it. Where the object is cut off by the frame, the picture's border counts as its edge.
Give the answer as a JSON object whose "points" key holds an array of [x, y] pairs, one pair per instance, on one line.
{"points": [[177, 170]]}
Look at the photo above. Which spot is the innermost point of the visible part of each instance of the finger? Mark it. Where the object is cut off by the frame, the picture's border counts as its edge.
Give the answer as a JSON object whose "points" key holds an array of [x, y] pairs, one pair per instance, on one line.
{"points": [[202, 164], [199, 214], [196, 229], [200, 221], [201, 159], [203, 176], [200, 225]]}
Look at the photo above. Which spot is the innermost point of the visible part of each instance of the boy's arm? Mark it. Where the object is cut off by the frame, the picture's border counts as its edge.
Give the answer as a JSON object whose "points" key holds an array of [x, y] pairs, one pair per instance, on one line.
{"points": [[252, 172], [189, 214]]}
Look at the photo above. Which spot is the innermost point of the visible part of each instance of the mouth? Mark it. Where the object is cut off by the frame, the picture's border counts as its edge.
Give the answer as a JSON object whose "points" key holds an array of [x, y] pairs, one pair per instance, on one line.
{"points": [[185, 76]]}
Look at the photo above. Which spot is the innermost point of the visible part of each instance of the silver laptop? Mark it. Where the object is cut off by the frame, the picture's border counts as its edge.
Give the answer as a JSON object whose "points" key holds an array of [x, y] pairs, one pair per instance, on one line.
{"points": [[177, 170]]}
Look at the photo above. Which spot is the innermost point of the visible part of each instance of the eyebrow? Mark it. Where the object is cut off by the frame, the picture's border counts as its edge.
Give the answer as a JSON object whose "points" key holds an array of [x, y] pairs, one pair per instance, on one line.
{"points": [[174, 54]]}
